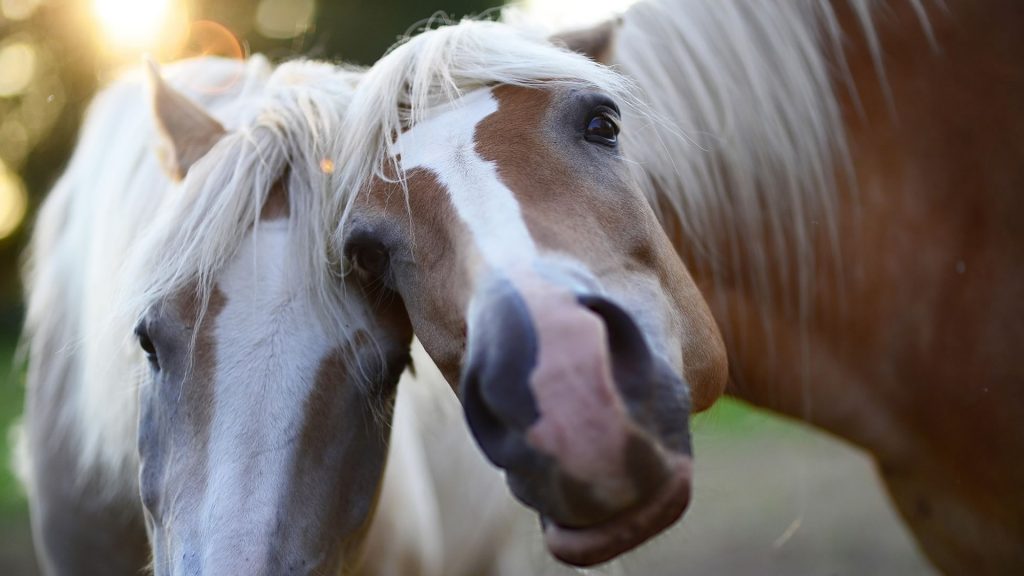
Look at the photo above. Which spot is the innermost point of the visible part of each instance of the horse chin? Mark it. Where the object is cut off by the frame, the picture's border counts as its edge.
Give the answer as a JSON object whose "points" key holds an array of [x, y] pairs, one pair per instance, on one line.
{"points": [[591, 545]]}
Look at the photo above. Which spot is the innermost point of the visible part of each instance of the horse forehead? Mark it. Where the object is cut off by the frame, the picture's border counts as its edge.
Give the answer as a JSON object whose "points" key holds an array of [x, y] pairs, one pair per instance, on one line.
{"points": [[445, 145], [446, 131], [263, 271]]}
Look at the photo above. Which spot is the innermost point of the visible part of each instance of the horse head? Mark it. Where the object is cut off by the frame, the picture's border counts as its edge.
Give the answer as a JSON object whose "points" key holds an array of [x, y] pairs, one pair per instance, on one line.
{"points": [[495, 201], [264, 423]]}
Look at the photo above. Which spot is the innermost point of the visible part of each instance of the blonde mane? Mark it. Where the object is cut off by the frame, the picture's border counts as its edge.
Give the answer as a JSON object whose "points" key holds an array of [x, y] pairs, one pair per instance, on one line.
{"points": [[435, 68], [116, 235], [753, 86]]}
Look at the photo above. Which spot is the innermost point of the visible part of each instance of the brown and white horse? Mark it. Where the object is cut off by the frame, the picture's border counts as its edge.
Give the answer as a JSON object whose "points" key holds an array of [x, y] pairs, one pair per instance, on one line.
{"points": [[528, 259], [248, 435], [853, 227], [840, 177]]}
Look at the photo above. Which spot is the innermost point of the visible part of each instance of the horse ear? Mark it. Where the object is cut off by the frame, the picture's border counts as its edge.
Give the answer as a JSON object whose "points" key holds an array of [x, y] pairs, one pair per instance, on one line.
{"points": [[595, 42], [186, 131]]}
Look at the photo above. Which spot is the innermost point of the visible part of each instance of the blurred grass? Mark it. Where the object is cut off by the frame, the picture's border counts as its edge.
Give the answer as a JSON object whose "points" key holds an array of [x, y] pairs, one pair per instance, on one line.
{"points": [[730, 418], [17, 557], [12, 393]]}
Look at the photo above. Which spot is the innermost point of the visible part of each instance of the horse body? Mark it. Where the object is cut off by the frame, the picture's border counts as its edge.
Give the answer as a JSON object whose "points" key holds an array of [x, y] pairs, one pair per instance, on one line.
{"points": [[907, 340], [939, 346], [254, 441]]}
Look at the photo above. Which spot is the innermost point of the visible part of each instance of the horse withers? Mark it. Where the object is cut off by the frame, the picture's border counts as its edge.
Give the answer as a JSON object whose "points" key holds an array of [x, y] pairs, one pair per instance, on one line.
{"points": [[243, 428]]}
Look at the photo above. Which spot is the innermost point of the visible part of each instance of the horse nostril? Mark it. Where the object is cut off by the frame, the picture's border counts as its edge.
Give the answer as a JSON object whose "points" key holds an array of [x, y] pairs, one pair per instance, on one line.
{"points": [[496, 395], [490, 432], [654, 393], [632, 361]]}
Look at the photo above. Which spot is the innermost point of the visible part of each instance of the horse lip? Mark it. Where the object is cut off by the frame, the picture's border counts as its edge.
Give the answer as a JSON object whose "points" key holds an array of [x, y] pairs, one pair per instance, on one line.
{"points": [[592, 545]]}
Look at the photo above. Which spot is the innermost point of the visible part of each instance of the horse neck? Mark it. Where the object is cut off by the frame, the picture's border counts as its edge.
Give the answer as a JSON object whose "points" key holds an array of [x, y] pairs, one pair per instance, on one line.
{"points": [[742, 152], [894, 166], [760, 195]]}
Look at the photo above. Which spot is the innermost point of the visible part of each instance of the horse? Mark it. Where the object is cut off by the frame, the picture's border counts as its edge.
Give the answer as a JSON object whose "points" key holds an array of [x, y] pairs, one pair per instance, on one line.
{"points": [[581, 338], [809, 162], [243, 428]]}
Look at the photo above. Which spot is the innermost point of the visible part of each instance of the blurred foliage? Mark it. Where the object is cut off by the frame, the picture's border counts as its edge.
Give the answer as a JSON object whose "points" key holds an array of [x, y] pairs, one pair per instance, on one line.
{"points": [[61, 56], [11, 397]]}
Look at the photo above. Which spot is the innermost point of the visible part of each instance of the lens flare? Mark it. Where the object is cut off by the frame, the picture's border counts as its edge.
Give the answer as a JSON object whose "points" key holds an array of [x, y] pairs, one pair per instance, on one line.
{"points": [[18, 9], [209, 38]]}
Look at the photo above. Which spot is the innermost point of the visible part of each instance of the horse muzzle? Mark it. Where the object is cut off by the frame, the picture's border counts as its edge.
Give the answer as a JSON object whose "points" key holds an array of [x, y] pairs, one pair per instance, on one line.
{"points": [[561, 390]]}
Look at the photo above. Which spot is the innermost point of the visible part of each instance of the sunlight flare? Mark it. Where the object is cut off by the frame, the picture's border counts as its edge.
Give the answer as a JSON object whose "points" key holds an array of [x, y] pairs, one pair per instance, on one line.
{"points": [[132, 23], [131, 27]]}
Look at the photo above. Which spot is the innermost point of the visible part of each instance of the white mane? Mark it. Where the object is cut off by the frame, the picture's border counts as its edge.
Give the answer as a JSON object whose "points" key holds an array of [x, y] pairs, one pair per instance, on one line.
{"points": [[116, 235]]}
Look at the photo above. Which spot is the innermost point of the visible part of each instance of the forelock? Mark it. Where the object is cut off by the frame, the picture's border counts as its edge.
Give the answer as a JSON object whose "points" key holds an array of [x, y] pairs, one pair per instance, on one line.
{"points": [[435, 68], [280, 127]]}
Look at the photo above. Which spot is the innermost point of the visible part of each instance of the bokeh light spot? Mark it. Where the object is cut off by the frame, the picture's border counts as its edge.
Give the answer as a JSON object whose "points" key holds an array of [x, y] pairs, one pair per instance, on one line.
{"points": [[327, 166], [19, 9], [13, 201], [17, 67], [284, 18]]}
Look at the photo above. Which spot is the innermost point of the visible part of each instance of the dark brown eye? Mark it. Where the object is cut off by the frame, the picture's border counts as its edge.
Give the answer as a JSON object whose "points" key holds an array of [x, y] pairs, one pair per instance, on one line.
{"points": [[603, 127], [146, 343], [369, 258]]}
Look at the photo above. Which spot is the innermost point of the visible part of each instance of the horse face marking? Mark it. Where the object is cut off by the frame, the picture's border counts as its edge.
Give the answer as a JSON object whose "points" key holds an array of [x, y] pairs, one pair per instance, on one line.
{"points": [[482, 202], [255, 399]]}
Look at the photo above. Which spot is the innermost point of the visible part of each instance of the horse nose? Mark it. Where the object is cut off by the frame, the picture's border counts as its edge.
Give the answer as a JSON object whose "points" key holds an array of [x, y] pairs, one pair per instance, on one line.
{"points": [[655, 396], [554, 390], [630, 356]]}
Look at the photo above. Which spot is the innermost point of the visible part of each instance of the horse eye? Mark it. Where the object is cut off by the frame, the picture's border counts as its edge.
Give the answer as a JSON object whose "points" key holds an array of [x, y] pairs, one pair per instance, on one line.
{"points": [[603, 127], [369, 258], [146, 343]]}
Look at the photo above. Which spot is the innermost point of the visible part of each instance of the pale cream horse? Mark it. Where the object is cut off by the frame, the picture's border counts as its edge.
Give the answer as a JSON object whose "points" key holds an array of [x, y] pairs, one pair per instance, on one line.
{"points": [[243, 427]]}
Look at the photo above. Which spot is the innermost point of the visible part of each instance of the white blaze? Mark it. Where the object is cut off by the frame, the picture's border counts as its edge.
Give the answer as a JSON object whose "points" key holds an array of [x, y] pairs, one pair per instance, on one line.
{"points": [[444, 145], [259, 399]]}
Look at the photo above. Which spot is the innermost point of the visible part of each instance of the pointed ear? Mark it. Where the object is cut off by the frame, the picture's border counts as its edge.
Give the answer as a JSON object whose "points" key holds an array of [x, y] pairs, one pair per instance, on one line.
{"points": [[186, 131], [596, 42]]}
